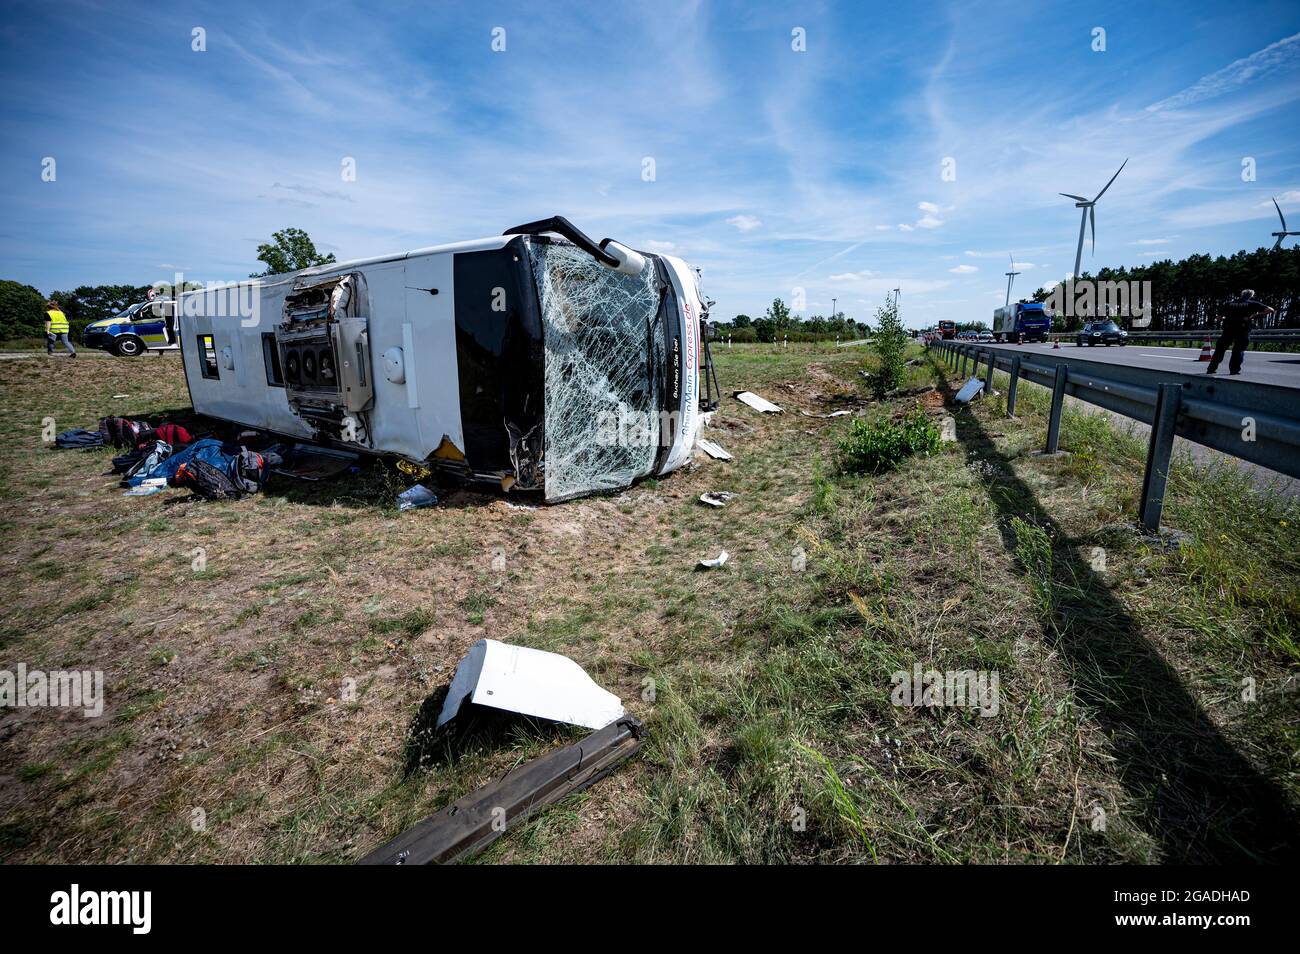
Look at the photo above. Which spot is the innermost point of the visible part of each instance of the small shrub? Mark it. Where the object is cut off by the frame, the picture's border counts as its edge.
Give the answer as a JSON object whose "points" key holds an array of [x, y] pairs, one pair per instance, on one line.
{"points": [[875, 445], [890, 348]]}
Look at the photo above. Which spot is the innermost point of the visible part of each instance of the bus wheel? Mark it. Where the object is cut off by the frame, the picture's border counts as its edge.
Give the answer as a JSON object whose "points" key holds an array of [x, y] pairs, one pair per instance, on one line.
{"points": [[128, 346]]}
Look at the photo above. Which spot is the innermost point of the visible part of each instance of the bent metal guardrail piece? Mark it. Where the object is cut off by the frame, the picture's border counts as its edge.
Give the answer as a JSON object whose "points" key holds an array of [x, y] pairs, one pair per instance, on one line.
{"points": [[474, 821], [1259, 423]]}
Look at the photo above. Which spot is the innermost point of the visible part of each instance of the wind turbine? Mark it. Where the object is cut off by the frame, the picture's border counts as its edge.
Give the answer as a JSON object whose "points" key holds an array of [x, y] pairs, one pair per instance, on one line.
{"points": [[1011, 277], [1284, 233], [1089, 215]]}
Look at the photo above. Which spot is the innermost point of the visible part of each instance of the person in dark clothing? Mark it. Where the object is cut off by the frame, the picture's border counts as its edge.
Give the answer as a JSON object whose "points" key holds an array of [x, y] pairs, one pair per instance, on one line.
{"points": [[1237, 317]]}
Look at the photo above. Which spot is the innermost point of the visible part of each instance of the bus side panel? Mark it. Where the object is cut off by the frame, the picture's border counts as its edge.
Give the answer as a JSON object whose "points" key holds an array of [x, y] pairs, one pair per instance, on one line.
{"points": [[412, 417], [240, 393]]}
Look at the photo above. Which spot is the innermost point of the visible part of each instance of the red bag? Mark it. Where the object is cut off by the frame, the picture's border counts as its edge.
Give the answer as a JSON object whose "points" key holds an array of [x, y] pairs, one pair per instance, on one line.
{"points": [[173, 434]]}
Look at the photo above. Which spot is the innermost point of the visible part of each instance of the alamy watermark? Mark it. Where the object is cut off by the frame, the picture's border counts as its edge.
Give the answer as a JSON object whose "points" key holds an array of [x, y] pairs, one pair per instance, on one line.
{"points": [[215, 299], [626, 426], [56, 689], [130, 908], [953, 688], [1087, 298]]}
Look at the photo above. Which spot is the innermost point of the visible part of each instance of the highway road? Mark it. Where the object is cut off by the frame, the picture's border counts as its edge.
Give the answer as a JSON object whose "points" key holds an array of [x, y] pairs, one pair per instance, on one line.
{"points": [[1279, 368]]}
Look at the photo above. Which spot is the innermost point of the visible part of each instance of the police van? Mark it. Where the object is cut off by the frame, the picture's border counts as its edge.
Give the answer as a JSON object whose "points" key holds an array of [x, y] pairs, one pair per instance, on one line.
{"points": [[144, 326]]}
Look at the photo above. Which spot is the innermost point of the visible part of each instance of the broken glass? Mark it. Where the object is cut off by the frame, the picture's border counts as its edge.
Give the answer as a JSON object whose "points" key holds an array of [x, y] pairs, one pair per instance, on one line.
{"points": [[602, 385]]}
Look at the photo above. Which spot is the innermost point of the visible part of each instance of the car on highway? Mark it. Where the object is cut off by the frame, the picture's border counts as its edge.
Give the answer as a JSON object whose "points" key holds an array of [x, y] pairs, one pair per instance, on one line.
{"points": [[1101, 332], [984, 336]]}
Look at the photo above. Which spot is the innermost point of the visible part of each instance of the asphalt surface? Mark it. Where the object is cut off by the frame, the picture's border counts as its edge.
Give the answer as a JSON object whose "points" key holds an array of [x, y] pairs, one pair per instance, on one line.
{"points": [[1279, 368], [61, 354]]}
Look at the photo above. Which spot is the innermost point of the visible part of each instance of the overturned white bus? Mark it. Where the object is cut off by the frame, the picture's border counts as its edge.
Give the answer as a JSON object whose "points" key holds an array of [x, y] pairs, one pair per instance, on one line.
{"points": [[535, 360]]}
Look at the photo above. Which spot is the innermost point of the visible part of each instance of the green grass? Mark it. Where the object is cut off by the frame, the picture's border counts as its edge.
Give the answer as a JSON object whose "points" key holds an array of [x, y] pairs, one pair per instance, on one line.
{"points": [[766, 686]]}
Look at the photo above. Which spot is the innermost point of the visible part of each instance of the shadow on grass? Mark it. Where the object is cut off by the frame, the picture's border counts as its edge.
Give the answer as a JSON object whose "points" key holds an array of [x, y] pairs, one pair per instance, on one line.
{"points": [[475, 731], [1201, 799]]}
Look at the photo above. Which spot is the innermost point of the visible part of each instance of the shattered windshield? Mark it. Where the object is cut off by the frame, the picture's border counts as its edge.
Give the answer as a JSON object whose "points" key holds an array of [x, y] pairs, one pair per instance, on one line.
{"points": [[603, 349]]}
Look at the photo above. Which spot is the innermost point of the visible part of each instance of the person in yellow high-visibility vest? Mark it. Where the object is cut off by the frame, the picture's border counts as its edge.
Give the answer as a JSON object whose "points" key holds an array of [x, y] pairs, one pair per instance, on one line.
{"points": [[56, 328]]}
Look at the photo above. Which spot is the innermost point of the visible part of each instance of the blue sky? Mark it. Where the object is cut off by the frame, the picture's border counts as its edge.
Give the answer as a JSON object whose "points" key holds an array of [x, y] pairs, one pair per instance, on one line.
{"points": [[774, 170]]}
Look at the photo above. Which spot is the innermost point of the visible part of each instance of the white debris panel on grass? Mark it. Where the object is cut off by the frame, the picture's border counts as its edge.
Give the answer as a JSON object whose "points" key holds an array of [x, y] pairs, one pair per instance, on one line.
{"points": [[531, 682], [714, 450], [757, 403]]}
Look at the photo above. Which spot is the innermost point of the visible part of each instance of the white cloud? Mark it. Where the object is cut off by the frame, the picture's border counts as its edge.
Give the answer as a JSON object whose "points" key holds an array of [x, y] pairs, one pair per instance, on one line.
{"points": [[660, 246], [1276, 56], [746, 223], [904, 227], [931, 218], [964, 270], [1150, 242], [850, 276]]}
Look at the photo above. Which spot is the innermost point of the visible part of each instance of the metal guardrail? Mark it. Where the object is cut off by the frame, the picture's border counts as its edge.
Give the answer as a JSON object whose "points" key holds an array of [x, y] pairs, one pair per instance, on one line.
{"points": [[1259, 423]]}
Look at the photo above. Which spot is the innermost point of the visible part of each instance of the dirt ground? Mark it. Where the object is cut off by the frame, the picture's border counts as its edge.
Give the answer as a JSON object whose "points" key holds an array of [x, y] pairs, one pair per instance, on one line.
{"points": [[227, 684]]}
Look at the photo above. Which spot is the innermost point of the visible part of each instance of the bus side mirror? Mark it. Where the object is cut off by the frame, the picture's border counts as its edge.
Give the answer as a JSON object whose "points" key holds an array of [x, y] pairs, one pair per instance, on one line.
{"points": [[629, 261]]}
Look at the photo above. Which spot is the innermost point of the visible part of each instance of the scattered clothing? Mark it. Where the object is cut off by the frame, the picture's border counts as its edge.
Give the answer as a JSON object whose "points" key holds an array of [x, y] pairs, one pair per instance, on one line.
{"points": [[173, 434], [148, 460], [153, 459], [244, 470], [79, 437], [207, 481], [121, 432]]}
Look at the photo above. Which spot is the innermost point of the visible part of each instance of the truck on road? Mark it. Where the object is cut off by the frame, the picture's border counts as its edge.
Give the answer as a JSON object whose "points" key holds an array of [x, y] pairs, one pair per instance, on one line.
{"points": [[1021, 321]]}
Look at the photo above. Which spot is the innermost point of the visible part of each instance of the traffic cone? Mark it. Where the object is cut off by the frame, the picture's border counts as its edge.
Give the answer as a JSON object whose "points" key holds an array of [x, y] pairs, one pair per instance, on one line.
{"points": [[1207, 351], [1056, 344]]}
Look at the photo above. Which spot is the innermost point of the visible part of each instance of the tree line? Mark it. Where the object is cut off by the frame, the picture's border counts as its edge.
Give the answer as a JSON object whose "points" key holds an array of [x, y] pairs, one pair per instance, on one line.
{"points": [[22, 307], [1189, 293], [779, 322]]}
